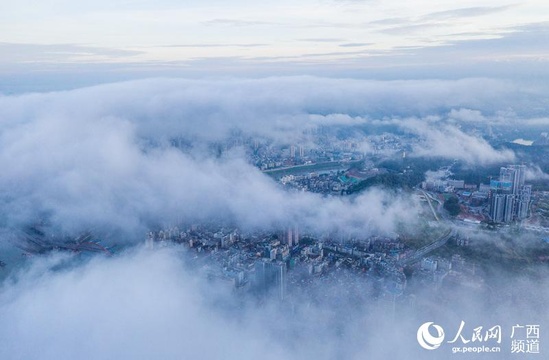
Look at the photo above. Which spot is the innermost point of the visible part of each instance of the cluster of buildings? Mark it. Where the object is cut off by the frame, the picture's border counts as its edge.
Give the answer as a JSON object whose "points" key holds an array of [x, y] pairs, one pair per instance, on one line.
{"points": [[449, 185], [272, 263], [510, 197], [34, 240], [503, 200], [334, 182], [273, 157], [390, 144], [434, 271], [328, 182], [256, 262]]}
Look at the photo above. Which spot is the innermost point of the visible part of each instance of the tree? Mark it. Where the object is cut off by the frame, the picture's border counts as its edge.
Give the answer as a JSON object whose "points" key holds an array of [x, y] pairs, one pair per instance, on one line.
{"points": [[452, 206]]}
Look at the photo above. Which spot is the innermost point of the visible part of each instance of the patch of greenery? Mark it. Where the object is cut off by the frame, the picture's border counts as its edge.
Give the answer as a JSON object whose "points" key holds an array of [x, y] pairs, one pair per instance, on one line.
{"points": [[452, 206], [402, 173], [390, 180]]}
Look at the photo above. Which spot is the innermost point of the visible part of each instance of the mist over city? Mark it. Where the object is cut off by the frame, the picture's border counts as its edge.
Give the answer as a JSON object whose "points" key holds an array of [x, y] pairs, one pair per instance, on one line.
{"points": [[324, 180]]}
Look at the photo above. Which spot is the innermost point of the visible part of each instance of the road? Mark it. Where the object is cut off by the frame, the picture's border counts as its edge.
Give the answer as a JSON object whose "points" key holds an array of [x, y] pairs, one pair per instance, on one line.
{"points": [[428, 198], [322, 166], [420, 253]]}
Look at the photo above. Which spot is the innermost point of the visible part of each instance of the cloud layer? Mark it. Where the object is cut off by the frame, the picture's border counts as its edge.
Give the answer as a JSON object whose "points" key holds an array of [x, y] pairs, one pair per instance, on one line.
{"points": [[143, 305], [117, 309], [101, 156]]}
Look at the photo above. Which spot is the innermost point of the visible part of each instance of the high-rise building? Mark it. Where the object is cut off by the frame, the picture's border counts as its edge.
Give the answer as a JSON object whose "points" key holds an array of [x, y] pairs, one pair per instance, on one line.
{"points": [[506, 174], [149, 241], [497, 208], [280, 280], [296, 235], [510, 197], [292, 237], [515, 174], [523, 201], [263, 275], [509, 208], [271, 276]]}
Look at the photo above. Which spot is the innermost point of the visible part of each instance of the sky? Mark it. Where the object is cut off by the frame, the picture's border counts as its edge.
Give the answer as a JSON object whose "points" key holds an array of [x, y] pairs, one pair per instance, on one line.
{"points": [[98, 41]]}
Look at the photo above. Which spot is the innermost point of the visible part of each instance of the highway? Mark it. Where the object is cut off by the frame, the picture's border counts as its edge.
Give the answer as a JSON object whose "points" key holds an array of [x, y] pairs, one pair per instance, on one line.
{"points": [[428, 198], [420, 253]]}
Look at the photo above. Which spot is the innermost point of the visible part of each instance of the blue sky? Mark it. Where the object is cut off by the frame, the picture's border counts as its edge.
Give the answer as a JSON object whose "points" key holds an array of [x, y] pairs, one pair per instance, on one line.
{"points": [[111, 40]]}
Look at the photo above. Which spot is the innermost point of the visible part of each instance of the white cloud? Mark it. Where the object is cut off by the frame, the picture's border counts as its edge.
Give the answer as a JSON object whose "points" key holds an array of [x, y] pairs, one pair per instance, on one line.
{"points": [[450, 142], [535, 173], [139, 306], [143, 305], [80, 159], [467, 115], [83, 157]]}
